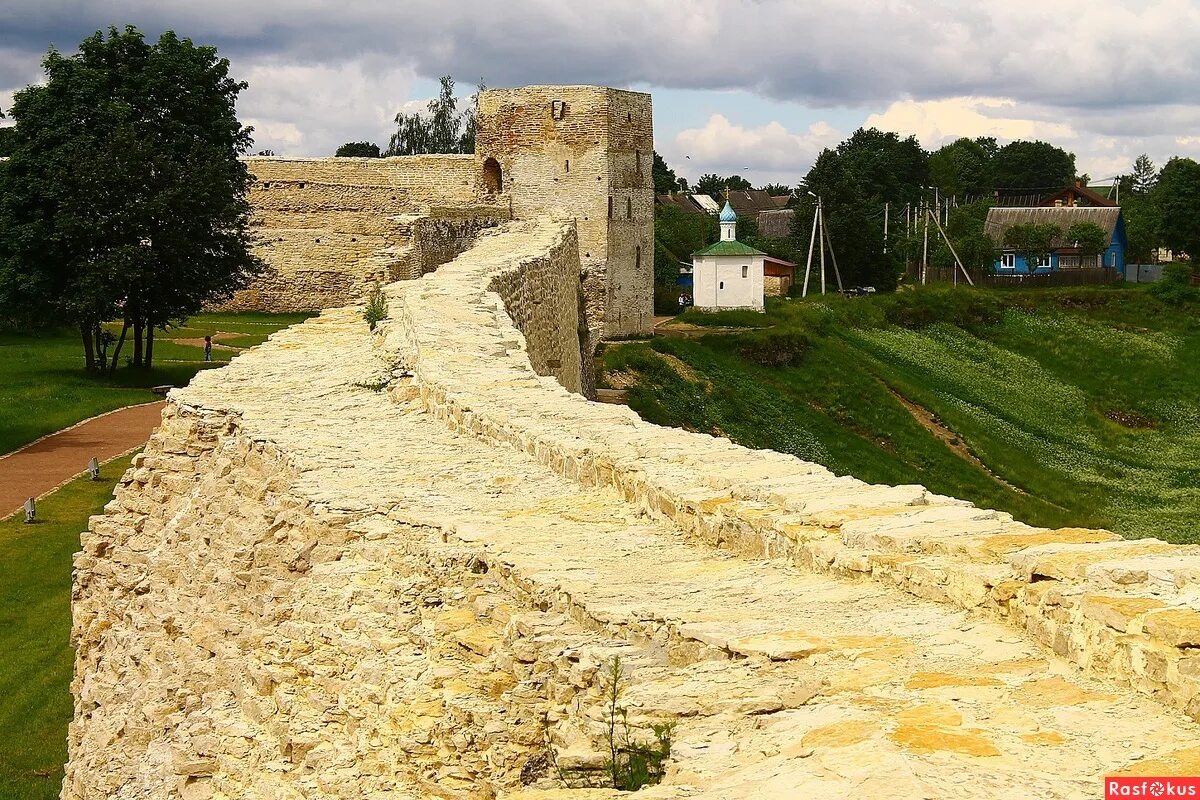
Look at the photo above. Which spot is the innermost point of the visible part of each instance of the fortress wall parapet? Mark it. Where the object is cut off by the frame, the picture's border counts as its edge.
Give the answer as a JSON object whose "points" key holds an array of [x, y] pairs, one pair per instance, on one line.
{"points": [[395, 564], [1125, 609]]}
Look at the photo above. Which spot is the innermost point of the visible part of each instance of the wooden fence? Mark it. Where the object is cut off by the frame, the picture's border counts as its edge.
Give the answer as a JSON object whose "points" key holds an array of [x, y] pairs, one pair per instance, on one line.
{"points": [[1068, 277]]}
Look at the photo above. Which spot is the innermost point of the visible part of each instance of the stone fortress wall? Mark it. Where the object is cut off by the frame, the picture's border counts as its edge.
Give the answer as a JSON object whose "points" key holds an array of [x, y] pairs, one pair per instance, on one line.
{"points": [[398, 570], [330, 227]]}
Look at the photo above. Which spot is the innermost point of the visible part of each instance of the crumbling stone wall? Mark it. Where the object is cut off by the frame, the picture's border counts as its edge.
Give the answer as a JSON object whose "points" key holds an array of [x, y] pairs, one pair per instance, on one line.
{"points": [[395, 564], [325, 225], [331, 226]]}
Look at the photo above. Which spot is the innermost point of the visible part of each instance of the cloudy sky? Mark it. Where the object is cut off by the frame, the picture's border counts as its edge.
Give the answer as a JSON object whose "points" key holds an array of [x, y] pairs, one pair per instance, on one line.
{"points": [[756, 87]]}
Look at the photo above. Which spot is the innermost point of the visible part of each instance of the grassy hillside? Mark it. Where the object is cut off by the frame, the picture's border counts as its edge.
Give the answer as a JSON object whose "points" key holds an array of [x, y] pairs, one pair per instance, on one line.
{"points": [[1068, 407], [43, 387]]}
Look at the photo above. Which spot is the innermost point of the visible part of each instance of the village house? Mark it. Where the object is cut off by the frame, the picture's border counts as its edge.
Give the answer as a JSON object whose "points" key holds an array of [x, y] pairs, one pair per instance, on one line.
{"points": [[1063, 254]]}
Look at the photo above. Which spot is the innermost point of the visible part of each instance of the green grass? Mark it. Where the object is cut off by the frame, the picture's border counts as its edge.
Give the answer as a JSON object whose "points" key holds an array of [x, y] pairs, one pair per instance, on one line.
{"points": [[1083, 405], [35, 628], [43, 387]]}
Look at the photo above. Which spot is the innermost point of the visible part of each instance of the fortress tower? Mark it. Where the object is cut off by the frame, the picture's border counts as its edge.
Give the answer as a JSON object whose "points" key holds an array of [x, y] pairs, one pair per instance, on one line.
{"points": [[586, 152]]}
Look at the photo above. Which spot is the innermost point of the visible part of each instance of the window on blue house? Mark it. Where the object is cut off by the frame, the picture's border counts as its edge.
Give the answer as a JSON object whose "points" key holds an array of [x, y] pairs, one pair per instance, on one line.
{"points": [[1041, 261], [1008, 261]]}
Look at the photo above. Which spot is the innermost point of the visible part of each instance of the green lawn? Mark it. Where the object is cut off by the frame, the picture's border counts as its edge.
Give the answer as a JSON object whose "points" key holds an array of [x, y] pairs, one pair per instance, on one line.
{"points": [[1083, 406], [35, 628], [43, 387]]}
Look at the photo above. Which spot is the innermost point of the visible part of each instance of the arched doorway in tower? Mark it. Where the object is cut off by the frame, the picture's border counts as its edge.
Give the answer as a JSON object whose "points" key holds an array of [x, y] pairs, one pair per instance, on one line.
{"points": [[493, 179]]}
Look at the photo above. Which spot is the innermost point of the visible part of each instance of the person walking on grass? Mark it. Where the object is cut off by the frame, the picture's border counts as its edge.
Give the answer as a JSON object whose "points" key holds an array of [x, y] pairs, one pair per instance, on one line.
{"points": [[208, 348]]}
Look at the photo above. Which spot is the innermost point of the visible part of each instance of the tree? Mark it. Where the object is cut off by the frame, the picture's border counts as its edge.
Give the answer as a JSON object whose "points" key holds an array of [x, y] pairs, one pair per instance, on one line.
{"points": [[1032, 240], [6, 141], [854, 181], [665, 180], [1145, 176], [358, 150], [963, 167], [1090, 238], [711, 184], [1142, 224], [856, 236], [124, 196], [966, 232], [1033, 165], [777, 190], [885, 167], [441, 130], [1177, 197]]}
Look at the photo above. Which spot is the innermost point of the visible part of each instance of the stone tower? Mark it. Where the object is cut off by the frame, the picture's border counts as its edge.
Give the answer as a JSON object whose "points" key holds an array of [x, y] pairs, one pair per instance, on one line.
{"points": [[586, 152]]}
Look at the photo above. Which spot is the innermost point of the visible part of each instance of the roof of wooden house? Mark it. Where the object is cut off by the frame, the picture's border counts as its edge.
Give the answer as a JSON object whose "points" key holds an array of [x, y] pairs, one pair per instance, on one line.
{"points": [[999, 220]]}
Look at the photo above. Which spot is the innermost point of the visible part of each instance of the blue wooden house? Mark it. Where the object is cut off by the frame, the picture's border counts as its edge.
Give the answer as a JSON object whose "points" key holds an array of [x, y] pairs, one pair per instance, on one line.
{"points": [[1063, 255]]}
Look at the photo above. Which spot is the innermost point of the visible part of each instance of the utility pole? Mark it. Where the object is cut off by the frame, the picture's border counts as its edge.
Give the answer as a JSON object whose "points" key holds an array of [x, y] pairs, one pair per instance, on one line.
{"points": [[886, 213], [954, 253], [925, 248], [821, 215], [832, 255], [811, 241]]}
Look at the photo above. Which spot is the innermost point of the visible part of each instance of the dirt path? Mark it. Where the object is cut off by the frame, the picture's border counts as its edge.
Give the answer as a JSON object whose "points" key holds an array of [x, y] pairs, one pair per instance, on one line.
{"points": [[44, 465]]}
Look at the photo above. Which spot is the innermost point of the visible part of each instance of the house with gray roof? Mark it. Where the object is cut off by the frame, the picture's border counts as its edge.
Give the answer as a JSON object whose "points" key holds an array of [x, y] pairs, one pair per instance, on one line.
{"points": [[1064, 254]]}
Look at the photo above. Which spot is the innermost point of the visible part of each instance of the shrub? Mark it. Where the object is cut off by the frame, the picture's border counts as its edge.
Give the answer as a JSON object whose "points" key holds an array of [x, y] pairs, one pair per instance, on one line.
{"points": [[922, 307], [1175, 286], [377, 308], [771, 349]]}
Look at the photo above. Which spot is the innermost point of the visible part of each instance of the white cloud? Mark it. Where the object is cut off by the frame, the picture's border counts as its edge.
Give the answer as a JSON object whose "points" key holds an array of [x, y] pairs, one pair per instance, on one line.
{"points": [[937, 122], [312, 109], [766, 153]]}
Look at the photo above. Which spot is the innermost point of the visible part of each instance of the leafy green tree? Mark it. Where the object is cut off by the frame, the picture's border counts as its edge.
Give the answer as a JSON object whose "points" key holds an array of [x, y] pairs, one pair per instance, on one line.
{"points": [[7, 135], [714, 185], [854, 181], [777, 190], [886, 167], [124, 196], [665, 180], [966, 231], [359, 150], [1033, 165], [963, 167], [1032, 240], [854, 231], [1145, 176], [1142, 223], [1177, 197], [1090, 238], [441, 130], [710, 184]]}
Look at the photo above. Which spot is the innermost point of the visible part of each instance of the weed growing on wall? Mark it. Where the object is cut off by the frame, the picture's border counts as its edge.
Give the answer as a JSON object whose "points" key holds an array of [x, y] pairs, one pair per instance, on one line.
{"points": [[376, 309], [632, 764]]}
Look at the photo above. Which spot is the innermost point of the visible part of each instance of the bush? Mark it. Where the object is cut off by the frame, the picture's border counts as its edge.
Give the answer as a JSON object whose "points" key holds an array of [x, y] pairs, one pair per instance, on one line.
{"points": [[666, 300], [1175, 286], [922, 307], [771, 349], [377, 308]]}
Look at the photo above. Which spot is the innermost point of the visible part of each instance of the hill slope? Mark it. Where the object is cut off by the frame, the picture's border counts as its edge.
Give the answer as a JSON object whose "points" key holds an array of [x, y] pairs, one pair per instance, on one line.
{"points": [[1072, 407]]}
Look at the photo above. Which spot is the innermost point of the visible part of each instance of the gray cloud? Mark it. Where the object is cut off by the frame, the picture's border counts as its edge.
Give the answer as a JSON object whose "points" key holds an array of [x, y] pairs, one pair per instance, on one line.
{"points": [[1102, 63]]}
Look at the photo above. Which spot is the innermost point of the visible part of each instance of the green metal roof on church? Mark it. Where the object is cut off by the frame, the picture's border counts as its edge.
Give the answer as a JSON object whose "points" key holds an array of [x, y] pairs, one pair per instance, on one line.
{"points": [[729, 248]]}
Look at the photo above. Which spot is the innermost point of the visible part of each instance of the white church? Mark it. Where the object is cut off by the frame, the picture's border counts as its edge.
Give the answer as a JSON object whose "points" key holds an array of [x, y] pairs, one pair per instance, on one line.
{"points": [[728, 274]]}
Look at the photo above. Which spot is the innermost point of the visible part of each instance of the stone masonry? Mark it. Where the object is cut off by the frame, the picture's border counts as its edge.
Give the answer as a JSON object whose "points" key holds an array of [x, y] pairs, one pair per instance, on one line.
{"points": [[394, 564], [330, 227]]}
